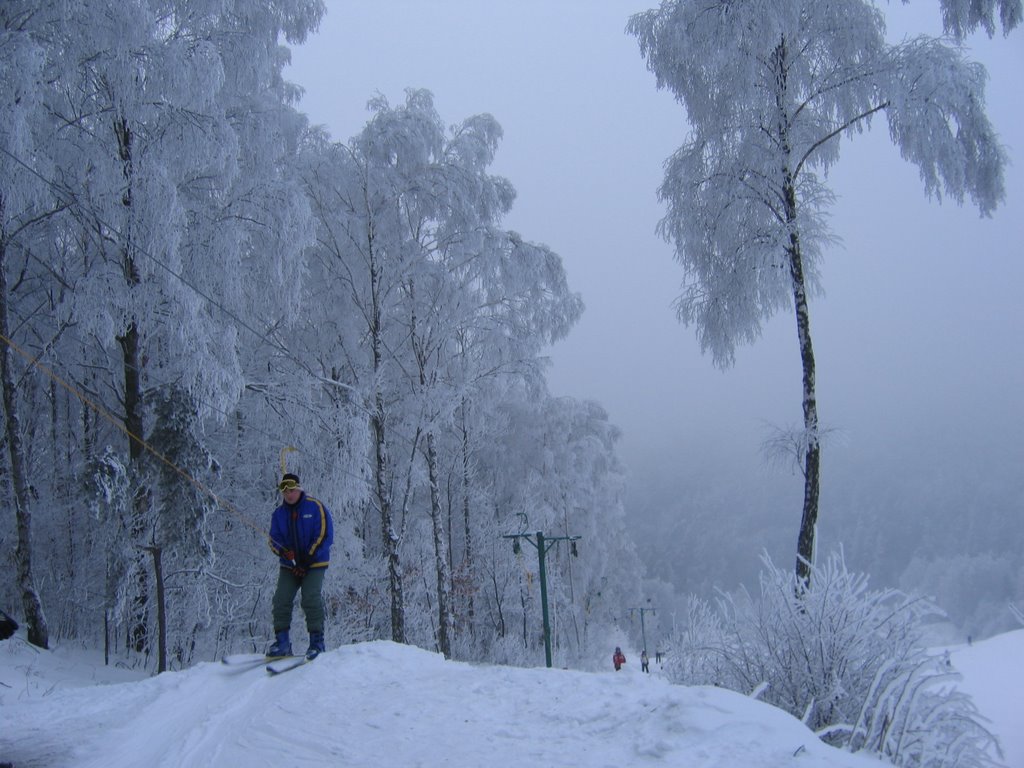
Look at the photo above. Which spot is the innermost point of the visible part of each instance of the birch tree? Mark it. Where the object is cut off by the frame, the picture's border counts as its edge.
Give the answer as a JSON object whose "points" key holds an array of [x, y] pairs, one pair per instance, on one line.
{"points": [[26, 208], [433, 302], [160, 130], [362, 261], [771, 88], [961, 17]]}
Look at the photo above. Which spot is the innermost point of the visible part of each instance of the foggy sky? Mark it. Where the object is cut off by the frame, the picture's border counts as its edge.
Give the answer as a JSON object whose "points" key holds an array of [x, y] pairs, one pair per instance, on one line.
{"points": [[919, 333]]}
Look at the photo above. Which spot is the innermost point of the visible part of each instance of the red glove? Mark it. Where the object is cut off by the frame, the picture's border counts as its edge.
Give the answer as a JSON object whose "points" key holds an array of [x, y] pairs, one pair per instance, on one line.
{"points": [[287, 554]]}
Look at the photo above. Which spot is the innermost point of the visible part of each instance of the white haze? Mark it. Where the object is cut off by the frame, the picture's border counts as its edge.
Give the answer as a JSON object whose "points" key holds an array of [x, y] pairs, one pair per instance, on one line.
{"points": [[921, 311], [919, 338]]}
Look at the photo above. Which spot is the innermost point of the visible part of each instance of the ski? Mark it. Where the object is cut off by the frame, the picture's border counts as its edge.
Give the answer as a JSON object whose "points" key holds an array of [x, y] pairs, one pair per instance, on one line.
{"points": [[278, 666], [233, 659], [249, 659]]}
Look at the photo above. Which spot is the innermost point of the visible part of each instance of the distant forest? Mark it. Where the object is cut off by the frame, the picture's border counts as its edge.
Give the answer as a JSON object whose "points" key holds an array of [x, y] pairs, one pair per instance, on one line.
{"points": [[942, 526]]}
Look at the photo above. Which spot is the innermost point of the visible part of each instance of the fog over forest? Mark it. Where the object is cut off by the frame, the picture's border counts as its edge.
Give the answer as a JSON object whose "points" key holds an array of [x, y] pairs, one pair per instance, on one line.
{"points": [[918, 335], [420, 267], [381, 301]]}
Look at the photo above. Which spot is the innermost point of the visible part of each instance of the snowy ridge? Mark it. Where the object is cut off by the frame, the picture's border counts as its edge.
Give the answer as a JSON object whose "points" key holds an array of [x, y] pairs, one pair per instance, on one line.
{"points": [[384, 704]]}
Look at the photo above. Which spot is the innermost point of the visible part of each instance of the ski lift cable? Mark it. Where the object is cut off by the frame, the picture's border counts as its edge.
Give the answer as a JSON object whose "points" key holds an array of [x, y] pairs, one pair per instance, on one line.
{"points": [[71, 199], [34, 362], [252, 427], [99, 409]]}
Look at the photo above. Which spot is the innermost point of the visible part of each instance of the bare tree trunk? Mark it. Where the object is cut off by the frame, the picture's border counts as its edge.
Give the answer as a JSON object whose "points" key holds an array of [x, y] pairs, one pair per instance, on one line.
{"points": [[38, 632], [572, 586], [138, 632], [382, 471], [499, 605], [467, 560], [133, 399], [812, 455], [390, 536], [161, 611], [522, 604], [444, 615]]}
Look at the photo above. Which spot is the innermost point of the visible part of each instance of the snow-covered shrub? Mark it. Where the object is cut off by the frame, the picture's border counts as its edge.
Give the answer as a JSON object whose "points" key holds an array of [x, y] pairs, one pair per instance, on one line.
{"points": [[848, 660], [694, 654]]}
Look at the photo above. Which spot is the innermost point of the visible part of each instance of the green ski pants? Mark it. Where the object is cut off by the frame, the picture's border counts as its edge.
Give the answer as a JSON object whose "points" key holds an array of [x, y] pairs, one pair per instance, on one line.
{"points": [[312, 601]]}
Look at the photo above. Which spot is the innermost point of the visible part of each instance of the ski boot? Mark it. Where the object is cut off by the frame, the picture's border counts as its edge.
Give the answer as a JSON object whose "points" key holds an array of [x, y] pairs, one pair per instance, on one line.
{"points": [[316, 645], [282, 646]]}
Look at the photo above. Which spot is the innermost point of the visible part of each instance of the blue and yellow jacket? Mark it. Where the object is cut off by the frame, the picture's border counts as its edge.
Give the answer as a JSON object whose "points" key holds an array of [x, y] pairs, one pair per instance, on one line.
{"points": [[305, 528]]}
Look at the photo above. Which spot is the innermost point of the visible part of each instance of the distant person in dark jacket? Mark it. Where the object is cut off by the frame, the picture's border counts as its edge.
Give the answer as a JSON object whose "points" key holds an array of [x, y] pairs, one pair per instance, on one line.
{"points": [[618, 658], [644, 663], [301, 534], [8, 626]]}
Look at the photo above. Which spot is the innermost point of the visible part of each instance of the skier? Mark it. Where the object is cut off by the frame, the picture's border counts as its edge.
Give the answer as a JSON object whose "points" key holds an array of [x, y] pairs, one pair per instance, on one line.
{"points": [[618, 659], [301, 534], [644, 661]]}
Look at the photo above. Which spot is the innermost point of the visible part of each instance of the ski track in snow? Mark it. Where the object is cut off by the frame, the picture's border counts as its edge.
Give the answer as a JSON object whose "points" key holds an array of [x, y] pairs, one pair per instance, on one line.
{"points": [[183, 721], [381, 704]]}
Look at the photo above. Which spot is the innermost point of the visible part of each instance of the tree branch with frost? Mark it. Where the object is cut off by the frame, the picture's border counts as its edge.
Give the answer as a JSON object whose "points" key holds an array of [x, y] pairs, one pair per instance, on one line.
{"points": [[836, 132], [787, 445]]}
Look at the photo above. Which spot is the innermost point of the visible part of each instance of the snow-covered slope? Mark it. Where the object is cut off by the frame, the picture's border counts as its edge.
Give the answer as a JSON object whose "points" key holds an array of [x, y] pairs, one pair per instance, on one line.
{"points": [[383, 704]]}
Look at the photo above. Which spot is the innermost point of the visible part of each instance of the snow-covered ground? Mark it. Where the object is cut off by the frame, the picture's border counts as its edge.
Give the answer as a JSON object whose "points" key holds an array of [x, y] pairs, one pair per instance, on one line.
{"points": [[382, 704]]}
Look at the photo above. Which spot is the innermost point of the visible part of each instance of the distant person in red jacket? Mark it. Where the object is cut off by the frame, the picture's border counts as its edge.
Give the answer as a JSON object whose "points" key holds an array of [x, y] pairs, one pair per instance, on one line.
{"points": [[618, 659]]}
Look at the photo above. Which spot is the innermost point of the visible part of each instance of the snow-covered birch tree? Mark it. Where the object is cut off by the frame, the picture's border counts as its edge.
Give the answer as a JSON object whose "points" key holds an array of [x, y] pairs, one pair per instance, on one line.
{"points": [[771, 88], [365, 257], [159, 132], [961, 17], [25, 205], [423, 280]]}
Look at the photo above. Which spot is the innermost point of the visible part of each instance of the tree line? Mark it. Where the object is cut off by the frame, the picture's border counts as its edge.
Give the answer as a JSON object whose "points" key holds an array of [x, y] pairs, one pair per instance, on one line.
{"points": [[199, 289]]}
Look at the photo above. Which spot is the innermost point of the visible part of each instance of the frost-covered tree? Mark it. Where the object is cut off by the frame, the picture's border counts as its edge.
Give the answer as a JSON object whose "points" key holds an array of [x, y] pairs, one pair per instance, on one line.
{"points": [[26, 208], [961, 17], [771, 88], [433, 302], [157, 130], [158, 198], [365, 257], [452, 222], [170, 105], [549, 465]]}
